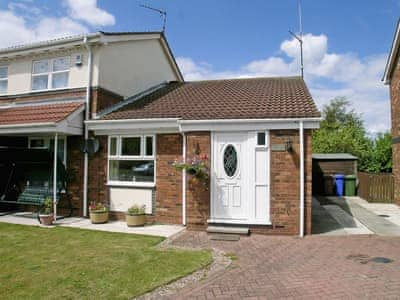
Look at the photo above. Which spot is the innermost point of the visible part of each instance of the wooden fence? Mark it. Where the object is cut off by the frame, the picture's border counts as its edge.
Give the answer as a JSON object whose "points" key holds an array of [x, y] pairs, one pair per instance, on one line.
{"points": [[376, 187]]}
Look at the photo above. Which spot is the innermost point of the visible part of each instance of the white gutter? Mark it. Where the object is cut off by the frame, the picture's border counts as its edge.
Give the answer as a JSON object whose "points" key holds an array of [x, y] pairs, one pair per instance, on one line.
{"points": [[392, 54], [184, 180], [41, 124], [219, 121], [87, 113], [247, 124], [301, 134]]}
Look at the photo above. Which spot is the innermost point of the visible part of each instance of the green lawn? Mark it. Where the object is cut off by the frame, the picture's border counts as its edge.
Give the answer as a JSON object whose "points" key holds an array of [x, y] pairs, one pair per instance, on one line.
{"points": [[68, 263]]}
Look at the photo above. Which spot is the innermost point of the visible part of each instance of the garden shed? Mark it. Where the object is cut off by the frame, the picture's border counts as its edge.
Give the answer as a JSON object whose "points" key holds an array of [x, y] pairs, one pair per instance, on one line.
{"points": [[326, 165]]}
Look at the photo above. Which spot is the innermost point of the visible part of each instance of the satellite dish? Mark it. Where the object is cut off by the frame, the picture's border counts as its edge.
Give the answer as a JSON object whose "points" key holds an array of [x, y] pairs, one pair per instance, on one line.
{"points": [[90, 146]]}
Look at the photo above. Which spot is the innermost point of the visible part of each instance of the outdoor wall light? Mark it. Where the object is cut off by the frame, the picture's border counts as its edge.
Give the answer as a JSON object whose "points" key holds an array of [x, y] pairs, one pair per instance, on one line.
{"points": [[288, 145]]}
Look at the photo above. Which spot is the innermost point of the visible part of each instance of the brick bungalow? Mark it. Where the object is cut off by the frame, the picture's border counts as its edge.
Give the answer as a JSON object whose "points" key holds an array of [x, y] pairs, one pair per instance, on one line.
{"points": [[392, 78], [116, 108], [256, 133]]}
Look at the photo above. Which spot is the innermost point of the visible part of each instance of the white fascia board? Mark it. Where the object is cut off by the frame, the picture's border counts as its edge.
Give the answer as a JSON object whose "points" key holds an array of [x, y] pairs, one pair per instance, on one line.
{"points": [[392, 55], [158, 125], [43, 128], [247, 124], [104, 127], [47, 46], [110, 38], [171, 58]]}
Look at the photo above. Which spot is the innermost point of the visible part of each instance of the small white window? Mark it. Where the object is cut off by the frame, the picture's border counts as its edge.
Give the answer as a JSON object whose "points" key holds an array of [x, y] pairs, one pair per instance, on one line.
{"points": [[131, 160], [261, 138], [3, 80], [50, 73]]}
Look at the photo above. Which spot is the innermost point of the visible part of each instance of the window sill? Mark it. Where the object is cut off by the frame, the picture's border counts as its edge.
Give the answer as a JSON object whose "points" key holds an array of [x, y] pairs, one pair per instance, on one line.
{"points": [[132, 184], [49, 90]]}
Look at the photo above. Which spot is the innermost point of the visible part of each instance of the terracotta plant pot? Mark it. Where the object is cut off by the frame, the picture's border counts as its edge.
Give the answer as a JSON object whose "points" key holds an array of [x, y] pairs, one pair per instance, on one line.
{"points": [[135, 220], [46, 219], [99, 217]]}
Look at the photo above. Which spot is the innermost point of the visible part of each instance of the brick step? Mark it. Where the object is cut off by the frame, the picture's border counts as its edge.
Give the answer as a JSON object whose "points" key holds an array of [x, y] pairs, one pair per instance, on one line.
{"points": [[227, 229]]}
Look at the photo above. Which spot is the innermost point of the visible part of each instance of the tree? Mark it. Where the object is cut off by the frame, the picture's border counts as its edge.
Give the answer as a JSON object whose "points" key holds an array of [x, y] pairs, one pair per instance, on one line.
{"points": [[382, 155], [342, 131]]}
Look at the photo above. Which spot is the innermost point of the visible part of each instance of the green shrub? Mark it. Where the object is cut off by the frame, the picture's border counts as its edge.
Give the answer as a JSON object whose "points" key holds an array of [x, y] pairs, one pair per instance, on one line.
{"points": [[136, 210]]}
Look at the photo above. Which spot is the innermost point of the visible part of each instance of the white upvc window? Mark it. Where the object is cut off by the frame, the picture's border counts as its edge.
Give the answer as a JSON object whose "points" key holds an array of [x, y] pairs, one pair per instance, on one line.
{"points": [[131, 160], [50, 73], [48, 143], [3, 79]]}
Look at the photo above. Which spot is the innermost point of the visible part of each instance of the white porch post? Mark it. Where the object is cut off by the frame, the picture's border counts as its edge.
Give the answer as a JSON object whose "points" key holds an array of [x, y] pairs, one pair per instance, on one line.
{"points": [[55, 177]]}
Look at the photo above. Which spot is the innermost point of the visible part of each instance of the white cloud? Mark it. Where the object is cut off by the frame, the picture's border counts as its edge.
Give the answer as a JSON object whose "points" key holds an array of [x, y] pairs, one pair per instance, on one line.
{"points": [[24, 7], [327, 74], [25, 22], [15, 29], [87, 11], [49, 28]]}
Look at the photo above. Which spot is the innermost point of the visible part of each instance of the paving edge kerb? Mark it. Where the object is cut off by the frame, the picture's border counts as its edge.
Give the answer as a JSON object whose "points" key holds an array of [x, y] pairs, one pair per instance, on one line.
{"points": [[220, 262]]}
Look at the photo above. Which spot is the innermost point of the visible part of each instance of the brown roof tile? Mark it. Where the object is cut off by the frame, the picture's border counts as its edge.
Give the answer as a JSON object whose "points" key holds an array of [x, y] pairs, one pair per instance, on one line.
{"points": [[31, 114], [253, 98]]}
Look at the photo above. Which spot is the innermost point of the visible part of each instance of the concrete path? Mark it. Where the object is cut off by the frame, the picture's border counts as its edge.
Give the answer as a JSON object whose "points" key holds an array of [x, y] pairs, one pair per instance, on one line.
{"points": [[323, 223], [375, 223], [114, 226], [350, 224], [391, 211]]}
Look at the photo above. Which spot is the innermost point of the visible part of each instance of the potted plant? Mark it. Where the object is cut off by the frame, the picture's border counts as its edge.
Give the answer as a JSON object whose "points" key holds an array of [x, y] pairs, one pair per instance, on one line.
{"points": [[46, 215], [135, 216], [98, 213]]}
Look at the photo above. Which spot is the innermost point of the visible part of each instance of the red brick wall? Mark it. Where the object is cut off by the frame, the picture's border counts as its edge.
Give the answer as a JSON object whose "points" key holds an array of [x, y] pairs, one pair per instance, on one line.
{"points": [[197, 195], [102, 98], [284, 182], [169, 181], [395, 114], [97, 180], [285, 185], [75, 173]]}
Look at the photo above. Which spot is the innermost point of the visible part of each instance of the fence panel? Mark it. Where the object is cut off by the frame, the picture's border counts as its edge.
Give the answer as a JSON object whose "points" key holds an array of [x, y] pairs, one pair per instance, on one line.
{"points": [[376, 187]]}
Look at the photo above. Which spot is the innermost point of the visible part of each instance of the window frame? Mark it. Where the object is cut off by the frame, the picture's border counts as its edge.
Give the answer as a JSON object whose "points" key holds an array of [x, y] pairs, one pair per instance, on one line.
{"points": [[141, 157], [4, 79], [46, 143], [50, 73], [267, 139]]}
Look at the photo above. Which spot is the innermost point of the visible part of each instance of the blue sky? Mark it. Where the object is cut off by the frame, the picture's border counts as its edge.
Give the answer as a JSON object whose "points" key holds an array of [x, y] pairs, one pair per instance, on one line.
{"points": [[346, 42]]}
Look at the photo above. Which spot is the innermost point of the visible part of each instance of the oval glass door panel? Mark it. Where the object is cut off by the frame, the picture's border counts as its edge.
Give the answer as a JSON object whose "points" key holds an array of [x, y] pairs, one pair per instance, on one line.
{"points": [[230, 160]]}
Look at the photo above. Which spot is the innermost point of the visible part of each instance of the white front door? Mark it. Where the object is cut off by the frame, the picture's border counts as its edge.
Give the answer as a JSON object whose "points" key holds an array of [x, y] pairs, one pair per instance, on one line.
{"points": [[240, 187], [229, 176]]}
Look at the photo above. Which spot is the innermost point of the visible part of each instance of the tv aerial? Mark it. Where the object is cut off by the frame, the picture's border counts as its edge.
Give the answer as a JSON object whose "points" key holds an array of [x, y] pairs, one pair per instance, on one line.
{"points": [[163, 14], [299, 38]]}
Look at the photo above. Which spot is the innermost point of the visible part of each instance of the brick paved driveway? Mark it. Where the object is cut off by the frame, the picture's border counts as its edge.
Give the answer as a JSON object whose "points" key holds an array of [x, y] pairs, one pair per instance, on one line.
{"points": [[324, 267]]}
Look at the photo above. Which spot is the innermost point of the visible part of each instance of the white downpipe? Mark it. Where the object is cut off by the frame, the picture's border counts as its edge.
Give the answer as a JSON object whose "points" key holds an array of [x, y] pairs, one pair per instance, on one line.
{"points": [[87, 113], [184, 180], [301, 133], [55, 177]]}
